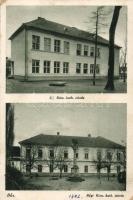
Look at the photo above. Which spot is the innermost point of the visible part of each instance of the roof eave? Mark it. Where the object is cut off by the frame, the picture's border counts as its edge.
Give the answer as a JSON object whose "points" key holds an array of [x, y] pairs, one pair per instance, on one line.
{"points": [[17, 31]]}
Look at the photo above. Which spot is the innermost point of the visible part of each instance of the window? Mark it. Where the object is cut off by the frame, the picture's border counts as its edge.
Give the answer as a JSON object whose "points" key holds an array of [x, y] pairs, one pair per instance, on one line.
{"points": [[39, 153], [77, 155], [99, 155], [47, 44], [65, 154], [98, 52], [65, 68], [78, 68], [86, 156], [85, 68], [56, 67], [35, 42], [28, 153], [79, 49], [85, 50], [66, 47], [97, 69], [86, 169], [65, 168], [46, 68], [35, 66], [51, 153], [39, 168], [91, 68], [57, 46], [118, 156], [109, 155], [92, 51]]}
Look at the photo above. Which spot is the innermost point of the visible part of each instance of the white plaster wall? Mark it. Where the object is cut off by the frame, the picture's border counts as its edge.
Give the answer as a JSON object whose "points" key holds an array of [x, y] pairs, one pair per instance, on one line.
{"points": [[71, 58], [18, 53], [81, 161]]}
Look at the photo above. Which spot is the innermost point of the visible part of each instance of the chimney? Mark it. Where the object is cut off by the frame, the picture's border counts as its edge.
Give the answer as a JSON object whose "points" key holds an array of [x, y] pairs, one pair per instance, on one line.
{"points": [[89, 135], [58, 133]]}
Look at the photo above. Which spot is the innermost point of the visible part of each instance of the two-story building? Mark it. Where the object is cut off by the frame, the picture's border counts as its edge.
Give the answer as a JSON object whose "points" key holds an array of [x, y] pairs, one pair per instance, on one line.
{"points": [[42, 49], [45, 154]]}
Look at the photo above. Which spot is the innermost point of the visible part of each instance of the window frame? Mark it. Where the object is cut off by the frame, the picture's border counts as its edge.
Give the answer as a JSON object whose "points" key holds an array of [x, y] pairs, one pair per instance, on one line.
{"points": [[35, 66], [86, 169], [91, 68], [35, 42], [92, 51], [56, 67], [65, 67], [86, 48], [109, 155], [77, 155], [57, 46], [46, 66], [99, 154], [65, 154], [85, 68], [86, 155], [51, 153], [78, 68], [40, 153], [66, 47], [79, 50], [65, 168], [47, 44]]}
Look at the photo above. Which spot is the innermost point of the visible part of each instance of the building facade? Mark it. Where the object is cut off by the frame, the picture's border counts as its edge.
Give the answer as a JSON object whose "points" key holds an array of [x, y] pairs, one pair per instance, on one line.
{"points": [[48, 154], [47, 50]]}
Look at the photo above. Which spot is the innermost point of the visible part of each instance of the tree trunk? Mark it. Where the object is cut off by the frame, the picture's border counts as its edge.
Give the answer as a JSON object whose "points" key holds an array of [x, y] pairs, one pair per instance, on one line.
{"points": [[110, 82], [60, 173]]}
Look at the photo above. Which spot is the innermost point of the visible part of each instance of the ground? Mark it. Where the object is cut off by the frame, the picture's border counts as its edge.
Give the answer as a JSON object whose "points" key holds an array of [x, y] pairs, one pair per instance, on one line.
{"points": [[90, 184], [76, 86]]}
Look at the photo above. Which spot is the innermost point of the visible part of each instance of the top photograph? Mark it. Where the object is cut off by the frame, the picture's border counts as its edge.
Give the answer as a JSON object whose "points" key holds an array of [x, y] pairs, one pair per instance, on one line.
{"points": [[66, 49]]}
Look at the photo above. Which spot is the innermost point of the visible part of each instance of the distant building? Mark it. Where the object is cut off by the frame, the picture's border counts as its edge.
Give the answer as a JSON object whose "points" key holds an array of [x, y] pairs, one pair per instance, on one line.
{"points": [[9, 67], [15, 157], [44, 154], [42, 49]]}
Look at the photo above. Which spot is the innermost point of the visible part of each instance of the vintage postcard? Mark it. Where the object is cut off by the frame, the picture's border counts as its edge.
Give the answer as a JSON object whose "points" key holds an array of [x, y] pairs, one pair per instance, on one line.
{"points": [[66, 93]]}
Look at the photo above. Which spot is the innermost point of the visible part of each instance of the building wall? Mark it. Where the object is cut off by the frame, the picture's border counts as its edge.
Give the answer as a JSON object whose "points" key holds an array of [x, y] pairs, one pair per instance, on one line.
{"points": [[18, 48], [18, 53], [81, 160]]}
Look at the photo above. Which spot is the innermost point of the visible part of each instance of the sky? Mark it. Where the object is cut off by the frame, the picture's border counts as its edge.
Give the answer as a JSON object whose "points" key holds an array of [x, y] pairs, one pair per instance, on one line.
{"points": [[76, 16], [106, 120]]}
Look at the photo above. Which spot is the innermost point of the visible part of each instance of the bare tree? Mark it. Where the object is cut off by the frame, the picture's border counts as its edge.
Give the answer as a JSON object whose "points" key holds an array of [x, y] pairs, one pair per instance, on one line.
{"points": [[104, 162], [110, 82], [56, 159], [30, 159], [98, 21]]}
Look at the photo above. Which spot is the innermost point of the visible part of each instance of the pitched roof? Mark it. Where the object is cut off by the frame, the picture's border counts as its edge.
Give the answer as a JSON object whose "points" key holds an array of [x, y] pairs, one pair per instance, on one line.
{"points": [[61, 140], [42, 24]]}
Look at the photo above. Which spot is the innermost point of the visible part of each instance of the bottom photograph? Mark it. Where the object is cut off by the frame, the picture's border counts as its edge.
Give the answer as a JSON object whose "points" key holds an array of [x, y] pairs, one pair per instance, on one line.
{"points": [[66, 146]]}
